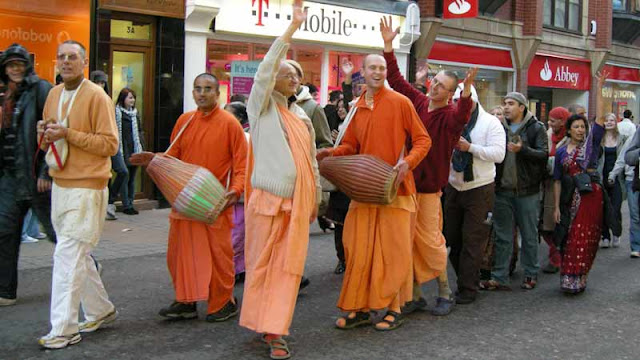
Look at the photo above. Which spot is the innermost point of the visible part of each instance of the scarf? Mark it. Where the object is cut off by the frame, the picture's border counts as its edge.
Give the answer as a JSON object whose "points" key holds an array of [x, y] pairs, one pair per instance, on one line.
{"points": [[463, 161], [555, 139], [133, 114]]}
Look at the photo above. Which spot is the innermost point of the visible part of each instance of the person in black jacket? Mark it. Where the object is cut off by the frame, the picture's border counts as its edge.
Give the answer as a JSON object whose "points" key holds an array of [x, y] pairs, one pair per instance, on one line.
{"points": [[518, 180], [24, 178]]}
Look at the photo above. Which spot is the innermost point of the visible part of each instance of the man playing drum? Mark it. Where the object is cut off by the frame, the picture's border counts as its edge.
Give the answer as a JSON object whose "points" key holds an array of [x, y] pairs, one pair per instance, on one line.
{"points": [[200, 255], [444, 122], [377, 238]]}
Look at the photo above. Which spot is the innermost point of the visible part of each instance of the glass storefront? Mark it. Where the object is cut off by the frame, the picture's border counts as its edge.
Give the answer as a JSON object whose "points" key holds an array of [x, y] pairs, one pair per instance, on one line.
{"points": [[491, 85], [234, 64], [619, 97]]}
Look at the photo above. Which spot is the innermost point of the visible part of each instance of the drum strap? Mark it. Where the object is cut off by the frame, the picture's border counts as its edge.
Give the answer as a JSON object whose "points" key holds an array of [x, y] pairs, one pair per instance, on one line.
{"points": [[347, 121]]}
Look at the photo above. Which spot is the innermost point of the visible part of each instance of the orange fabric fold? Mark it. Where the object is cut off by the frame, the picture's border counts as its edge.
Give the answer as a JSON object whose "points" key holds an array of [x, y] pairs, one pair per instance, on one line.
{"points": [[377, 245], [429, 245], [276, 239]]}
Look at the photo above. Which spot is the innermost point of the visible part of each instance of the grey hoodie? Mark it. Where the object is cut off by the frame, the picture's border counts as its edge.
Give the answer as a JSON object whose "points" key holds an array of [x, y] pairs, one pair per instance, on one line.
{"points": [[318, 118]]}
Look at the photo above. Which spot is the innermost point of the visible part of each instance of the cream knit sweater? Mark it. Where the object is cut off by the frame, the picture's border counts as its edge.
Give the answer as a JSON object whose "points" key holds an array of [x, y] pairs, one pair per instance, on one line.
{"points": [[274, 170]]}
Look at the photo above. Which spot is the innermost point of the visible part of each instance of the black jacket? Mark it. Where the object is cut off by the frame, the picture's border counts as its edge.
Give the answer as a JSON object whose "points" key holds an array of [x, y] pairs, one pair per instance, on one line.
{"points": [[531, 161], [28, 109]]}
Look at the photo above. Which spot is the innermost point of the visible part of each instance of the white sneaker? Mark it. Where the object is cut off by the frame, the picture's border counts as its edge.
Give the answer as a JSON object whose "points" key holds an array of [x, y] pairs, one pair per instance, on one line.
{"points": [[91, 326], [41, 236], [26, 239], [615, 242], [111, 212], [604, 243], [58, 342], [7, 302], [635, 254]]}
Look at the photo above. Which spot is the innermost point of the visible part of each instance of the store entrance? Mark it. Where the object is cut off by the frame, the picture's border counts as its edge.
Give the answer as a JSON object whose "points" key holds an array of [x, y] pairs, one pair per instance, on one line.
{"points": [[126, 52], [540, 103]]}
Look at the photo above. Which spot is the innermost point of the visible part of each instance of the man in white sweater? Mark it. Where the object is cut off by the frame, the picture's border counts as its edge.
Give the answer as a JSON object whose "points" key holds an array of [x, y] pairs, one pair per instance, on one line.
{"points": [[470, 194]]}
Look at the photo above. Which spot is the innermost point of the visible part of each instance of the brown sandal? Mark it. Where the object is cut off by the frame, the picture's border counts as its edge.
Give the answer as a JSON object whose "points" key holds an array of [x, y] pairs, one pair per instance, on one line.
{"points": [[278, 344]]}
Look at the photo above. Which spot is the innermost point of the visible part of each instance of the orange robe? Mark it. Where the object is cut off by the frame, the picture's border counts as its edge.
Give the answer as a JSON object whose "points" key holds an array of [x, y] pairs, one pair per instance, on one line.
{"points": [[200, 256], [377, 238], [276, 239], [429, 245]]}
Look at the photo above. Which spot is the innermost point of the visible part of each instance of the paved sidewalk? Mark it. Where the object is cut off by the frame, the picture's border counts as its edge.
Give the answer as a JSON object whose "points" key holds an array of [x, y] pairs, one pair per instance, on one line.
{"points": [[137, 235]]}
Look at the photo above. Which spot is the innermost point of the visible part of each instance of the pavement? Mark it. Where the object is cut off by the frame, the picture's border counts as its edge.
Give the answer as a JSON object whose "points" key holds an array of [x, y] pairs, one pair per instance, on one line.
{"points": [[538, 324]]}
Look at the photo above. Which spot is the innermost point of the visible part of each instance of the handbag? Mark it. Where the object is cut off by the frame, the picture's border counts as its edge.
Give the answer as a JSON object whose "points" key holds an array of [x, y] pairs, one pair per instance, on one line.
{"points": [[582, 181], [58, 151]]}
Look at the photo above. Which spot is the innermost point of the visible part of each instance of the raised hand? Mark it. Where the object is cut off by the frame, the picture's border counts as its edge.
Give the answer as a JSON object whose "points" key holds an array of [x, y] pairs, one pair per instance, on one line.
{"points": [[422, 73], [347, 67], [299, 15], [601, 77], [387, 32], [468, 81]]}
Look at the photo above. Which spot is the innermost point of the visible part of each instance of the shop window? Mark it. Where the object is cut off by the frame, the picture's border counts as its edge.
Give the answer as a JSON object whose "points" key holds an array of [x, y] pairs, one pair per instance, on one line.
{"points": [[619, 5], [619, 97], [563, 14], [491, 85]]}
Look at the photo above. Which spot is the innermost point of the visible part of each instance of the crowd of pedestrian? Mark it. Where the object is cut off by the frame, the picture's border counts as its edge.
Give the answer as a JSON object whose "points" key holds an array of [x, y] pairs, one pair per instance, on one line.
{"points": [[475, 188]]}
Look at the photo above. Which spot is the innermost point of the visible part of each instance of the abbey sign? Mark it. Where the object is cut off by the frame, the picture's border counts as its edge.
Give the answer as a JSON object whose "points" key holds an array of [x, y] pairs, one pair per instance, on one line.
{"points": [[561, 73]]}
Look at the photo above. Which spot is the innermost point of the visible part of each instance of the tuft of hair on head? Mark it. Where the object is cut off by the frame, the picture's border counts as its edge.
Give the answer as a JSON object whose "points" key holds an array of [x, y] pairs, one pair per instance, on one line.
{"points": [[573, 118], [573, 108], [452, 74], [334, 95], [210, 76], [83, 50]]}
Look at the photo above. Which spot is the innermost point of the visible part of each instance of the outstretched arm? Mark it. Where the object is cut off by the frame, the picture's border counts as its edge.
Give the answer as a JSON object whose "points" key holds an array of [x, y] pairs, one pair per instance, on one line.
{"points": [[394, 77], [265, 78]]}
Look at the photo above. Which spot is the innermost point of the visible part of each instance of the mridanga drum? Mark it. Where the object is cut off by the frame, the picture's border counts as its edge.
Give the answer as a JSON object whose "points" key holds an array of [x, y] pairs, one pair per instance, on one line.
{"points": [[363, 178], [192, 190]]}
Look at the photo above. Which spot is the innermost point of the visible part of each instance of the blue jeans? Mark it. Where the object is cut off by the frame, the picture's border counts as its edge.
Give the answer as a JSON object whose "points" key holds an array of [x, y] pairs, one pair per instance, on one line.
{"points": [[524, 211], [634, 216], [31, 225], [120, 186]]}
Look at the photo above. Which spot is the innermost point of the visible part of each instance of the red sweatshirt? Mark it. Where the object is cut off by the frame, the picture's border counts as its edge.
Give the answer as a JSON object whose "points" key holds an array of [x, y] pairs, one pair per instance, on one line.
{"points": [[444, 126]]}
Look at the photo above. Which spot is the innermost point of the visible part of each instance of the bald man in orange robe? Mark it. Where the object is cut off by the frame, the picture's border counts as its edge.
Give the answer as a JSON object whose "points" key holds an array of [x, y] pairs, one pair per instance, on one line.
{"points": [[377, 238], [200, 255]]}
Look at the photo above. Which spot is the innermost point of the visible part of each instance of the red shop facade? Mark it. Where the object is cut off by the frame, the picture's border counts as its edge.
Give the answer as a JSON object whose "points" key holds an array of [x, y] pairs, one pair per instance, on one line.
{"points": [[622, 90], [557, 81], [496, 75]]}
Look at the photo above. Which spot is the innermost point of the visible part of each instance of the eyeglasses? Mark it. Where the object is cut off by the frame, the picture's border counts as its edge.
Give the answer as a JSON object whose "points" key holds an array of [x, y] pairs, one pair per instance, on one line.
{"points": [[291, 77], [68, 57], [203, 90], [437, 84]]}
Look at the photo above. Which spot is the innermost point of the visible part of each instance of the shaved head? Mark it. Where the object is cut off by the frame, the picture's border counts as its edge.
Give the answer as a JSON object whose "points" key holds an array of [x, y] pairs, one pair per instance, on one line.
{"points": [[371, 57]]}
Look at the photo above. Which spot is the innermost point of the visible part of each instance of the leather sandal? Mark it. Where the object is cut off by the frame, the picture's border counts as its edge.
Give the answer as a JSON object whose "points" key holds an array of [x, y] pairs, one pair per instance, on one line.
{"points": [[278, 344], [360, 319], [392, 324]]}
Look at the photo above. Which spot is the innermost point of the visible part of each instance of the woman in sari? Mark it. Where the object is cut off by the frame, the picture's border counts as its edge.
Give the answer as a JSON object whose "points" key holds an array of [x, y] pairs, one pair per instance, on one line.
{"points": [[579, 198]]}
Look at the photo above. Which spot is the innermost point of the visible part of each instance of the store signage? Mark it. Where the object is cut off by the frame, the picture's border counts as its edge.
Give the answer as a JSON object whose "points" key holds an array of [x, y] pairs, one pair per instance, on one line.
{"points": [[325, 23], [242, 73], [555, 72], [473, 55], [168, 8], [621, 73], [455, 9]]}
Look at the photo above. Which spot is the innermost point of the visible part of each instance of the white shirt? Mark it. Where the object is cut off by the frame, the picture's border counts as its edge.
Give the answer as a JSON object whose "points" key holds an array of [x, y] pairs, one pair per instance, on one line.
{"points": [[488, 146]]}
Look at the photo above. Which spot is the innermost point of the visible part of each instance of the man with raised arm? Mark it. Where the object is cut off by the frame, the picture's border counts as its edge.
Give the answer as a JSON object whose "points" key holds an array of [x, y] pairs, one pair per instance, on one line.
{"points": [[444, 122], [282, 195]]}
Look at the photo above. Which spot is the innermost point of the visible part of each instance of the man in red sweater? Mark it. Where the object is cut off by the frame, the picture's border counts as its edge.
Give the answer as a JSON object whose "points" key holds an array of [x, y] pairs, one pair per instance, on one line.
{"points": [[444, 123]]}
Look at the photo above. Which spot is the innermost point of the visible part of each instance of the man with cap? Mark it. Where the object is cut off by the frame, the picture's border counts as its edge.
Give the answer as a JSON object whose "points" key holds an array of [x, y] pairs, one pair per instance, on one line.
{"points": [[22, 185], [517, 199], [469, 196]]}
